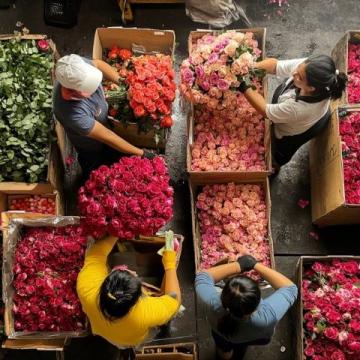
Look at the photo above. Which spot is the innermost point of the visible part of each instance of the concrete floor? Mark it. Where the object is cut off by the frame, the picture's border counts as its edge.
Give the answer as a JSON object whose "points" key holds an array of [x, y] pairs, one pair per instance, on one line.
{"points": [[309, 26]]}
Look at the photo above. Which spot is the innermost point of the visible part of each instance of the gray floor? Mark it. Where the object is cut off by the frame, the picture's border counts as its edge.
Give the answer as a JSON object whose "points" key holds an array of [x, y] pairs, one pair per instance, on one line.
{"points": [[309, 26]]}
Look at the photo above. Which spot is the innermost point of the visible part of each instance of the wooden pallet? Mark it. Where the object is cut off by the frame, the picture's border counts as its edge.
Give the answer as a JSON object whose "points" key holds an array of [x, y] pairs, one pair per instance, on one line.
{"points": [[126, 11]]}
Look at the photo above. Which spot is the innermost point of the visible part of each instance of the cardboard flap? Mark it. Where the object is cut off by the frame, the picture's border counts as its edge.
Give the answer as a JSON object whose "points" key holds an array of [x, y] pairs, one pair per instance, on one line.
{"points": [[150, 40], [36, 344]]}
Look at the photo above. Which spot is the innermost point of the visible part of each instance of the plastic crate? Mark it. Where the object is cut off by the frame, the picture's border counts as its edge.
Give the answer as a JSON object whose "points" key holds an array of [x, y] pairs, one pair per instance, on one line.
{"points": [[61, 12]]}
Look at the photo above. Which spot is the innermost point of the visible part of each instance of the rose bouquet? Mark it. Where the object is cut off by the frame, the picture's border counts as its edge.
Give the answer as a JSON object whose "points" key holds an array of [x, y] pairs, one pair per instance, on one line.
{"points": [[216, 67], [349, 127], [25, 109], [228, 140], [146, 92], [331, 302], [130, 198], [232, 217], [46, 265], [354, 74]]}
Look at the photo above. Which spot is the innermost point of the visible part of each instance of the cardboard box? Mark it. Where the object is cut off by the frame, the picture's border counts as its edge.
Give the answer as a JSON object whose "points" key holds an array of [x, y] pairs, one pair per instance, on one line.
{"points": [[143, 41], [195, 188], [340, 55], [186, 351], [16, 221], [23, 190], [260, 35], [328, 205], [55, 170], [306, 260]]}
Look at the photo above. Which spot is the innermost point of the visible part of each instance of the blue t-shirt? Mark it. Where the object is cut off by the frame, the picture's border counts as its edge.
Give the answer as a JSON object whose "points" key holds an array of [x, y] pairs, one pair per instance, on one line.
{"points": [[260, 324], [78, 116]]}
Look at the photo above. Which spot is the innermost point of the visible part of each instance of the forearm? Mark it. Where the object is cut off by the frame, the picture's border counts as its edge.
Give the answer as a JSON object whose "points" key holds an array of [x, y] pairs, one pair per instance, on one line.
{"points": [[108, 72], [274, 278], [269, 65], [221, 272], [171, 284], [256, 100], [108, 137], [102, 247]]}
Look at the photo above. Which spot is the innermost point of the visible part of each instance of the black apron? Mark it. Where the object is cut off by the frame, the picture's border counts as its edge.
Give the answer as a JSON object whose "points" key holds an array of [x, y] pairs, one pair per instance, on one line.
{"points": [[283, 149]]}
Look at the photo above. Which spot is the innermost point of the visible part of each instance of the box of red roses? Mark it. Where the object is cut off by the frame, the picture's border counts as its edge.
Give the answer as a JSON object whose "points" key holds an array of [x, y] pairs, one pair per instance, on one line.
{"points": [[335, 170], [328, 322], [140, 105], [346, 55], [228, 218], [42, 257], [226, 135], [35, 198], [29, 155]]}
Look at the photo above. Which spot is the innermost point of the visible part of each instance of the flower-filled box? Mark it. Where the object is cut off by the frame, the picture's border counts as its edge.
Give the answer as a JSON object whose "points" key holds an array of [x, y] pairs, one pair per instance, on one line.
{"points": [[328, 325], [140, 105], [229, 216], [43, 256], [346, 55], [36, 198], [335, 170], [28, 154], [225, 133]]}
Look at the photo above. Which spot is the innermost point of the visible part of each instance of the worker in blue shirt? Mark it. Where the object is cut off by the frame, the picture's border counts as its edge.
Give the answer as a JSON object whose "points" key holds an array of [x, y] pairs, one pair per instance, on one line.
{"points": [[238, 316]]}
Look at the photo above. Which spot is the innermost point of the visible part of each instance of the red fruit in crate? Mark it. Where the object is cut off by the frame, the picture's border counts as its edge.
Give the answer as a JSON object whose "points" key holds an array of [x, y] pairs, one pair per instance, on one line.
{"points": [[166, 122]]}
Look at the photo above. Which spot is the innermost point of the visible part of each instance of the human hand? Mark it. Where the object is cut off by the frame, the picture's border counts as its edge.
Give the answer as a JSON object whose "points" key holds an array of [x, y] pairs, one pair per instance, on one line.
{"points": [[169, 260], [246, 262], [148, 154]]}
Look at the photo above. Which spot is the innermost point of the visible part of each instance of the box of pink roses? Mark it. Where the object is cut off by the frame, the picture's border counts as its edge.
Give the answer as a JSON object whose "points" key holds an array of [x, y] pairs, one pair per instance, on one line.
{"points": [[335, 170], [346, 55], [228, 218], [225, 133], [327, 311]]}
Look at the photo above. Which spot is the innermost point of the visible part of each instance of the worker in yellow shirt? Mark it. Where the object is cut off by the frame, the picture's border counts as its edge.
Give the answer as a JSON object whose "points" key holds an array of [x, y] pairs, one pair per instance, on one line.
{"points": [[114, 302]]}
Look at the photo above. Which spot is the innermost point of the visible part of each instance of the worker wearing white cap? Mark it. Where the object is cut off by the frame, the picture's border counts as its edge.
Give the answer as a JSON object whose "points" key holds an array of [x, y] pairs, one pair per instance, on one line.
{"points": [[80, 106]]}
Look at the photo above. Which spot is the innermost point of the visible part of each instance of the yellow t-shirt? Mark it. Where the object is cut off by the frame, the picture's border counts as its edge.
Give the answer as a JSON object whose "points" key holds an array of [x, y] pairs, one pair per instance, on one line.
{"points": [[133, 328]]}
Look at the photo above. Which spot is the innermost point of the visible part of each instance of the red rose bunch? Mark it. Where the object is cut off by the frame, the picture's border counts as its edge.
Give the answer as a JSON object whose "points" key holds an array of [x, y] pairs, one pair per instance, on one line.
{"points": [[130, 198], [350, 138], [152, 87], [118, 54], [36, 203], [46, 265], [354, 74], [331, 302]]}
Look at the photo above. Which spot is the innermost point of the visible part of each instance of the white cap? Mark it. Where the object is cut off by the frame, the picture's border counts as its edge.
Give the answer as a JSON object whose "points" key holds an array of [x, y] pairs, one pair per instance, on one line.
{"points": [[74, 73]]}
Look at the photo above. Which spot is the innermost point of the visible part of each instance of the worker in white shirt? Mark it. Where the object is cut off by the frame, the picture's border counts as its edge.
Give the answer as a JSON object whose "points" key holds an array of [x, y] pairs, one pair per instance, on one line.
{"points": [[300, 107]]}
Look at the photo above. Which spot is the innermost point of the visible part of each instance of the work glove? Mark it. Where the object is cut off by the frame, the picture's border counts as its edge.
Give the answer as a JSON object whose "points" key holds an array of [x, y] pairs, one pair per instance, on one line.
{"points": [[148, 154], [246, 262], [169, 260], [243, 86]]}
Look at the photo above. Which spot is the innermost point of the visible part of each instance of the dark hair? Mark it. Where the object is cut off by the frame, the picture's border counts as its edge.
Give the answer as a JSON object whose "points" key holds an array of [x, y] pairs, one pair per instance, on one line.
{"points": [[321, 73], [240, 297], [118, 293]]}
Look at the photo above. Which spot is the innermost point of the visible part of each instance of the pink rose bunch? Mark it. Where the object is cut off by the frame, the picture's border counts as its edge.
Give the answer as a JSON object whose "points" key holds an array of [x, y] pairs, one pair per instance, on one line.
{"points": [[130, 198], [228, 140], [331, 302], [350, 139], [232, 217], [216, 66], [353, 87], [46, 265]]}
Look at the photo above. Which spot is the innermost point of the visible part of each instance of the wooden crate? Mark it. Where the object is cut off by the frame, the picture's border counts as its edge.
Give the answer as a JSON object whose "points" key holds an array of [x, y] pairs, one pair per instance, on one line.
{"points": [[181, 351], [195, 188], [306, 260], [340, 55], [328, 205]]}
